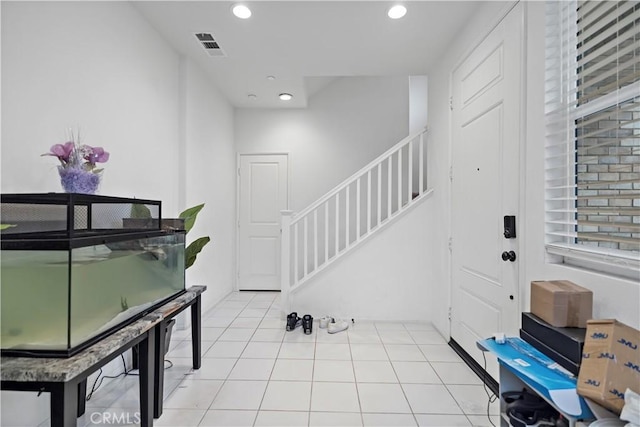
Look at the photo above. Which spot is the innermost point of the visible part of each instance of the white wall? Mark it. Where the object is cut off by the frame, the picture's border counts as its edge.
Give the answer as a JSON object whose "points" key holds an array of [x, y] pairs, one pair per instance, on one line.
{"points": [[210, 179], [102, 67], [346, 125], [385, 278], [613, 298], [418, 102], [93, 66]]}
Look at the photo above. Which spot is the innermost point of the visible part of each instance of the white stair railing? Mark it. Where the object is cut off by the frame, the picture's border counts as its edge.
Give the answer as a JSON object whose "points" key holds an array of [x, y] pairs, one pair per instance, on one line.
{"points": [[344, 217]]}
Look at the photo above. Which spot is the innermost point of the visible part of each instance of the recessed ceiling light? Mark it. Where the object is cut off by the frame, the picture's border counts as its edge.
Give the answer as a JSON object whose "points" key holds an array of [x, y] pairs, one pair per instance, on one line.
{"points": [[285, 96], [271, 77], [241, 11], [397, 11]]}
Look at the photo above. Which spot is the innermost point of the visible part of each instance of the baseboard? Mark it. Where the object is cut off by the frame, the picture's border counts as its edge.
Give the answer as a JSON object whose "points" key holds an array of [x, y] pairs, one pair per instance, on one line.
{"points": [[475, 366], [259, 290]]}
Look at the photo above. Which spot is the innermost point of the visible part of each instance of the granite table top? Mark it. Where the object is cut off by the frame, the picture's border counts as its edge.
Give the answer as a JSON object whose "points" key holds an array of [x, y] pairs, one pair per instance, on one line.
{"points": [[49, 369], [184, 299]]}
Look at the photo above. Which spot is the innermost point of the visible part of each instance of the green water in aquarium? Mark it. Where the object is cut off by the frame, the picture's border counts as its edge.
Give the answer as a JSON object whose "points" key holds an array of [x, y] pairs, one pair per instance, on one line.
{"points": [[105, 285]]}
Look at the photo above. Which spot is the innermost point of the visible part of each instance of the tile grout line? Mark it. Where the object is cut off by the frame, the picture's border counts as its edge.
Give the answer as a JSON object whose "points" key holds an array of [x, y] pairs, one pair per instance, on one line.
{"points": [[355, 379], [226, 380], [315, 351], [270, 373], [404, 393], [313, 370], [234, 365], [445, 385], [209, 313]]}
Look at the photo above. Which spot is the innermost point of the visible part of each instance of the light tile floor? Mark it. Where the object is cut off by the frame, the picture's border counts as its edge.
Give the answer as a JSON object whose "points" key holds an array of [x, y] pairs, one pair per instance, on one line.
{"points": [[256, 374]]}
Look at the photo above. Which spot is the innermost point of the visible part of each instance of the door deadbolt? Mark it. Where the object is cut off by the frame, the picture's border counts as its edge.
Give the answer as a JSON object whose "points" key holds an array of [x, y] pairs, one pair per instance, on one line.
{"points": [[509, 256], [509, 227]]}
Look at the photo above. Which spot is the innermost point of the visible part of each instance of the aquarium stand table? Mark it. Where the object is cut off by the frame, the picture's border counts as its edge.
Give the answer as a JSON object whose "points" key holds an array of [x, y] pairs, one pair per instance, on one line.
{"points": [[65, 379], [191, 298]]}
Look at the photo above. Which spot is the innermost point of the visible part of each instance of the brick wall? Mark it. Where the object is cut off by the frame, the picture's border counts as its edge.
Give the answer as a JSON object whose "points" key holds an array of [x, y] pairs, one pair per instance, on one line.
{"points": [[608, 157]]}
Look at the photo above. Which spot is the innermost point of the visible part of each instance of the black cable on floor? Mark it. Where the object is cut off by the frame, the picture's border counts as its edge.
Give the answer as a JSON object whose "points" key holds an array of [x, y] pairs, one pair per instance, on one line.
{"points": [[96, 384], [94, 388], [165, 368], [125, 368], [492, 397]]}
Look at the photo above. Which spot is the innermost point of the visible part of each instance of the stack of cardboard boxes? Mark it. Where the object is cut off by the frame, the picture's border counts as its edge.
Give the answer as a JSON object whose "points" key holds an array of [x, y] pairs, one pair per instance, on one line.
{"points": [[605, 354], [610, 363]]}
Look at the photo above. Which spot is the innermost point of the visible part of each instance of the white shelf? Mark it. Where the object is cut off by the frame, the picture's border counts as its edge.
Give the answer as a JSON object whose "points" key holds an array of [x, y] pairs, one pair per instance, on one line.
{"points": [[522, 366]]}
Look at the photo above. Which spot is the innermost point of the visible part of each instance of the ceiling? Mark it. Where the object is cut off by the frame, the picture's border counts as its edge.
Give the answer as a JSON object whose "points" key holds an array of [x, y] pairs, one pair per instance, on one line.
{"points": [[306, 44]]}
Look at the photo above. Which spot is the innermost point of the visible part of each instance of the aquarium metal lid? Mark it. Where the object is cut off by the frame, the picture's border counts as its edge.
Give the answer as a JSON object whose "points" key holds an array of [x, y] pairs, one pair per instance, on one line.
{"points": [[61, 241], [75, 198], [65, 233]]}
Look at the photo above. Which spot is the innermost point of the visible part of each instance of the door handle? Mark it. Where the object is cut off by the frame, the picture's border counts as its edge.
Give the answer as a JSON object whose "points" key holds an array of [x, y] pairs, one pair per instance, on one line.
{"points": [[509, 256]]}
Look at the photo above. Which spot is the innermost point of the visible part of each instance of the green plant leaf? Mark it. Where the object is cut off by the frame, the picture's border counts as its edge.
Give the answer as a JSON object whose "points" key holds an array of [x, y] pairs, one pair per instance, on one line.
{"points": [[5, 226], [190, 216], [138, 210], [193, 250]]}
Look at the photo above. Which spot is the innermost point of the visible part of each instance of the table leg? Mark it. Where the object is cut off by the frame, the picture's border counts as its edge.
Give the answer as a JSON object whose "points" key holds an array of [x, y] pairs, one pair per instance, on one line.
{"points": [[146, 367], [82, 397], [134, 357], [196, 335], [64, 404], [158, 368]]}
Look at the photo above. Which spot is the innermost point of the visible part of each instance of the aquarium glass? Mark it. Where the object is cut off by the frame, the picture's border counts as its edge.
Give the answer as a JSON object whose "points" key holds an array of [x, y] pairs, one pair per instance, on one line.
{"points": [[34, 295], [116, 281]]}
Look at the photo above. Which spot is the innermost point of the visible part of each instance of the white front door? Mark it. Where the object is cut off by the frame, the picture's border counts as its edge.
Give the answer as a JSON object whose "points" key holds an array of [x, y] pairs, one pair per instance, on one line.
{"points": [[264, 192], [485, 184]]}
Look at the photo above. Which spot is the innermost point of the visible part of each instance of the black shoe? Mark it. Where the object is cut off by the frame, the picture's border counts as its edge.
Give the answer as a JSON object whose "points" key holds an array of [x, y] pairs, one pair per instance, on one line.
{"points": [[293, 321], [307, 324]]}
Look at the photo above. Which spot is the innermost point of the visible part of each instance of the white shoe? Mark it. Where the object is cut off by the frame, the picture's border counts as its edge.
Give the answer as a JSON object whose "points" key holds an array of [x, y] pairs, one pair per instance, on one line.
{"points": [[325, 321], [339, 326]]}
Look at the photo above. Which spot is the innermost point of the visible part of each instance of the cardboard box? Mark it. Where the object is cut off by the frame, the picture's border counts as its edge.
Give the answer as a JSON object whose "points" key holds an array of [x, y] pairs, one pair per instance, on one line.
{"points": [[610, 363], [561, 303]]}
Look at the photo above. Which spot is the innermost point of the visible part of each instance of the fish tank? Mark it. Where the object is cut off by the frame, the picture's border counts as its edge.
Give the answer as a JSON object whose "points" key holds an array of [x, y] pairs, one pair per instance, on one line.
{"points": [[76, 268]]}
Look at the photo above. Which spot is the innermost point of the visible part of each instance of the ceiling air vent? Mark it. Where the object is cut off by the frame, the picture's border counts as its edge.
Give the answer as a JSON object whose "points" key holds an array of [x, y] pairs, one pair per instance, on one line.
{"points": [[209, 44]]}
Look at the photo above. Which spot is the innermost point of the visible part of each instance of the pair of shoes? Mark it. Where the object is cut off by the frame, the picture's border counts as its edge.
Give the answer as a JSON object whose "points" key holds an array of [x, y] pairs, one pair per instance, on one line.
{"points": [[324, 321], [337, 326], [307, 324], [293, 321]]}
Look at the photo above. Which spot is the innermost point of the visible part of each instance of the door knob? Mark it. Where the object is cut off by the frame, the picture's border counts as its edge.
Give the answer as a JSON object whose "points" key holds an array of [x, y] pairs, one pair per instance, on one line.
{"points": [[509, 256]]}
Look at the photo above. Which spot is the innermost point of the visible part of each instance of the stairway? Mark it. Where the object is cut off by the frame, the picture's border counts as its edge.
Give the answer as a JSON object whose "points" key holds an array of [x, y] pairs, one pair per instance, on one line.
{"points": [[352, 212]]}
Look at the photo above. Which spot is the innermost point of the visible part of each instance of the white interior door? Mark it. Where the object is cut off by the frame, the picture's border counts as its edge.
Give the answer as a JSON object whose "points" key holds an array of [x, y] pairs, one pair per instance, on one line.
{"points": [[264, 192], [485, 184]]}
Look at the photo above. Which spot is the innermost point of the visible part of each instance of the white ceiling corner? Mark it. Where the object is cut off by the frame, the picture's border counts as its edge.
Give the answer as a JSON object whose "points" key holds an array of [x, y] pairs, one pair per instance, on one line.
{"points": [[306, 44]]}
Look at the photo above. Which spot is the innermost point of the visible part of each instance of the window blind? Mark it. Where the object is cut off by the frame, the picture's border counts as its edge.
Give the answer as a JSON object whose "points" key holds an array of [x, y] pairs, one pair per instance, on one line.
{"points": [[592, 152]]}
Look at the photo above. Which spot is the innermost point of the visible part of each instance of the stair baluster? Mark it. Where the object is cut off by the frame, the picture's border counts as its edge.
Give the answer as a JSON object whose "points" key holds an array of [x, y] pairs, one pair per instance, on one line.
{"points": [[339, 213]]}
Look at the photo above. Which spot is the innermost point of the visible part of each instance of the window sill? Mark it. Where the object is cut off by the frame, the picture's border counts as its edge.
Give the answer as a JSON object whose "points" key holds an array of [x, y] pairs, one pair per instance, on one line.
{"points": [[620, 265]]}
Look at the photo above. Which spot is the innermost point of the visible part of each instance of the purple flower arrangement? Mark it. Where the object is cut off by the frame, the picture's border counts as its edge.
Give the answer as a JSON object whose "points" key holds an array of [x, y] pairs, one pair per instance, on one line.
{"points": [[77, 169]]}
